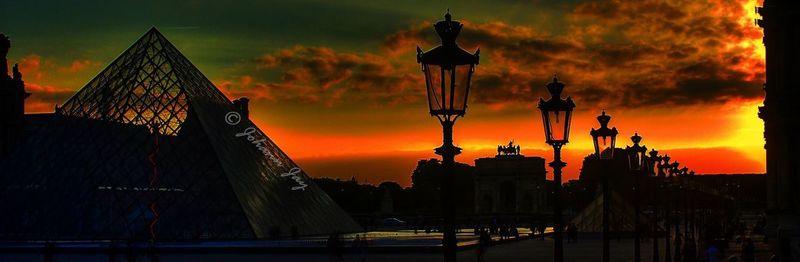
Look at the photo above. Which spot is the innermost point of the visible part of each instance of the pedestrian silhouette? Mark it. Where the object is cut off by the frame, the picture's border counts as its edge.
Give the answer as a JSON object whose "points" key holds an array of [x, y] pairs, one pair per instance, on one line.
{"points": [[572, 233], [334, 247], [484, 241], [748, 251]]}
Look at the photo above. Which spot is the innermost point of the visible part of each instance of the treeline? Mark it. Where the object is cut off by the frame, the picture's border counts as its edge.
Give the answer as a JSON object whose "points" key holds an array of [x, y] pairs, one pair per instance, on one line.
{"points": [[422, 198]]}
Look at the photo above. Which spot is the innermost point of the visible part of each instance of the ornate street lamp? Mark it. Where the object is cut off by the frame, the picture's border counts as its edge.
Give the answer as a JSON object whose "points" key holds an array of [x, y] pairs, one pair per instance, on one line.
{"points": [[448, 71], [689, 207], [604, 139], [637, 156], [663, 167], [654, 162], [681, 172], [556, 116], [668, 205], [672, 171]]}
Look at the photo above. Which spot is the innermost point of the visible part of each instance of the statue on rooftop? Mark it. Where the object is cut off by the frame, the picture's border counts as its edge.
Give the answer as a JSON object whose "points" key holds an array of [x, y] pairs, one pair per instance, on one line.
{"points": [[17, 75], [508, 150], [5, 44]]}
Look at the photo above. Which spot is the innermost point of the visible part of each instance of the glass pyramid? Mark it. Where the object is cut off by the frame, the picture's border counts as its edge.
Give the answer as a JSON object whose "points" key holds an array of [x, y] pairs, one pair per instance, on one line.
{"points": [[150, 149]]}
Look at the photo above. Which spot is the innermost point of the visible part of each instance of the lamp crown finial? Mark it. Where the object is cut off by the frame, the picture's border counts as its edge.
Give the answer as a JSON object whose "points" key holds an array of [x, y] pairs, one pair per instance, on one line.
{"points": [[636, 138], [448, 29], [603, 119], [555, 87]]}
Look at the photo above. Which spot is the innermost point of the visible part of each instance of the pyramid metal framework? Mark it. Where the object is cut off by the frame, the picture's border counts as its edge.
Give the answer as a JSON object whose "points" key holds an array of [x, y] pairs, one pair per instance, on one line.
{"points": [[150, 149]]}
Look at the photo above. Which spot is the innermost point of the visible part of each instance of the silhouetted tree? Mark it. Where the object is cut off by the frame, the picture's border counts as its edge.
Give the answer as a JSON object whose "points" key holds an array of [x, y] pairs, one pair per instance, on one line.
{"points": [[400, 196], [425, 185], [352, 197], [422, 198]]}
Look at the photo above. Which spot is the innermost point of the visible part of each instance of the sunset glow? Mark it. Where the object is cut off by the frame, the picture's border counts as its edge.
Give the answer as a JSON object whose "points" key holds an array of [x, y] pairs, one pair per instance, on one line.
{"points": [[348, 99]]}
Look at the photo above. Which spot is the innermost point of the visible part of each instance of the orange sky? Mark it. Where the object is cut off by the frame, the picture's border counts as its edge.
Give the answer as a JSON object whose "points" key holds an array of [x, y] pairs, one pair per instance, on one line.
{"points": [[711, 139], [685, 74]]}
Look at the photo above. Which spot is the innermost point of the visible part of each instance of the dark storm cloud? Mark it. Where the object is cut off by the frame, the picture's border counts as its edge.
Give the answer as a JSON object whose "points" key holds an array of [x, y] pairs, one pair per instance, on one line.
{"points": [[612, 52], [319, 74], [615, 54]]}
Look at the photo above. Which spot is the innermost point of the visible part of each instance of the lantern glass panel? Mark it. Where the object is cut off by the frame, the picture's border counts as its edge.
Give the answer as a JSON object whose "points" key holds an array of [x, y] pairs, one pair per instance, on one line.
{"points": [[558, 123], [634, 161], [433, 78], [461, 87], [447, 88], [604, 146]]}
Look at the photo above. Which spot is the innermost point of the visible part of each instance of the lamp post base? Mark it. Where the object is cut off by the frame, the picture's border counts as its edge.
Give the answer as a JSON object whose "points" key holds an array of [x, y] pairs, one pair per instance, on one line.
{"points": [[448, 152], [558, 229]]}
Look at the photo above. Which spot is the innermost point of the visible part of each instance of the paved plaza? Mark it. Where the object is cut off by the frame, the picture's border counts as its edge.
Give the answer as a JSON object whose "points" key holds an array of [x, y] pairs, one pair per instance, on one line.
{"points": [[588, 248]]}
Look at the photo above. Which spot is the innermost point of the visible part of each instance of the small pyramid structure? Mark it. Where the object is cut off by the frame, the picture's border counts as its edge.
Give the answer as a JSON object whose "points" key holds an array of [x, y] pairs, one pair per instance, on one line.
{"points": [[622, 215], [150, 149]]}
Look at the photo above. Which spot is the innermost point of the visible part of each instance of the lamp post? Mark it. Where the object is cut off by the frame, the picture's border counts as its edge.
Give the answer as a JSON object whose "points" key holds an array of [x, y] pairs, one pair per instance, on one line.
{"points": [[693, 205], [448, 71], [673, 173], [662, 167], [604, 139], [636, 160], [654, 162], [556, 117], [687, 226]]}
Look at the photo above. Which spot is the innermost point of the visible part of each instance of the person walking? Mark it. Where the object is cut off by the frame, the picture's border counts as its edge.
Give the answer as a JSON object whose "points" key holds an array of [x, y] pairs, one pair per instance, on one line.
{"points": [[748, 251], [542, 228], [131, 252], [712, 253], [364, 248], [49, 249], [356, 245], [484, 241], [572, 233], [360, 247], [689, 250], [334, 248], [678, 246], [112, 252]]}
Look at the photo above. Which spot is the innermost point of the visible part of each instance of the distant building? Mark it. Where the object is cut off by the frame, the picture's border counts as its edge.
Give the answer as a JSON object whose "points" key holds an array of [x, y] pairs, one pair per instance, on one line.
{"points": [[781, 41], [12, 103], [748, 190], [510, 183]]}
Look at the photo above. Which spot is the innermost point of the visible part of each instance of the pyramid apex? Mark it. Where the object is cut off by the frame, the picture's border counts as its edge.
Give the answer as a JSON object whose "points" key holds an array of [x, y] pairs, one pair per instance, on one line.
{"points": [[153, 30]]}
